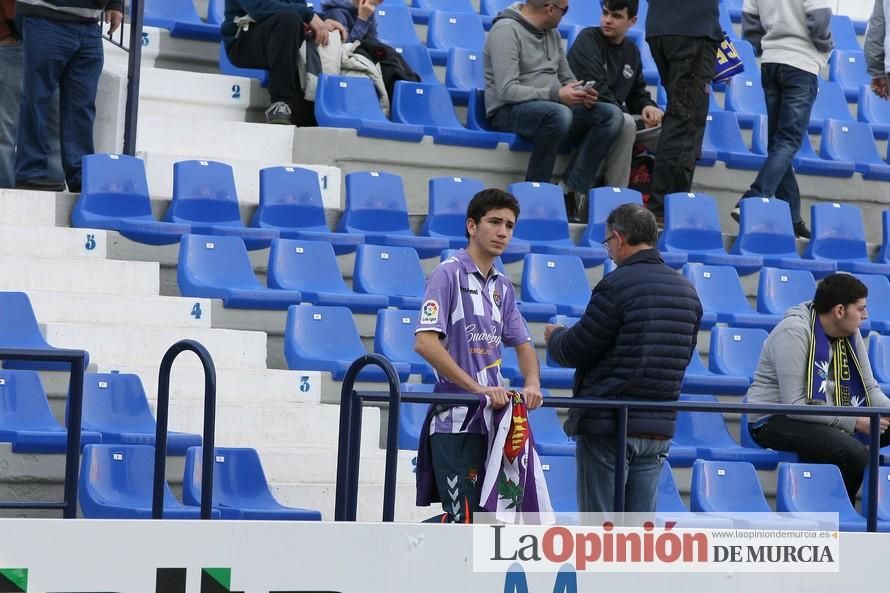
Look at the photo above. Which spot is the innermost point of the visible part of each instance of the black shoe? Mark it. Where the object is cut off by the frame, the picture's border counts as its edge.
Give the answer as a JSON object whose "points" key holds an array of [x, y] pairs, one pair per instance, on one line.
{"points": [[571, 202], [801, 231], [40, 184], [736, 213]]}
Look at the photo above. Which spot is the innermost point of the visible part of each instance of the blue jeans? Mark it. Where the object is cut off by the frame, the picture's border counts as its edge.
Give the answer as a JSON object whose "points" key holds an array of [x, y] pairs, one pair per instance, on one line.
{"points": [[10, 98], [549, 125], [595, 456], [790, 94], [67, 56]]}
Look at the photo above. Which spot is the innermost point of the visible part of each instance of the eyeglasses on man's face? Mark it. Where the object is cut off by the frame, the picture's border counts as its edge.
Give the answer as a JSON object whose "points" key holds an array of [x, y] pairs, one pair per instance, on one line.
{"points": [[605, 242], [564, 9]]}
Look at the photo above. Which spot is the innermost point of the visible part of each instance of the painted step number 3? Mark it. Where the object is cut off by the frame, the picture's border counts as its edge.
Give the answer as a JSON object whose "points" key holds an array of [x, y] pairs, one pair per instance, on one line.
{"points": [[196, 311], [91, 242], [236, 91]]}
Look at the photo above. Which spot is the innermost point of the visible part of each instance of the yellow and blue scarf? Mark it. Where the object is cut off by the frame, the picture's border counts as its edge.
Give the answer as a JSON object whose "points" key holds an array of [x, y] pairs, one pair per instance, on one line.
{"points": [[834, 375]]}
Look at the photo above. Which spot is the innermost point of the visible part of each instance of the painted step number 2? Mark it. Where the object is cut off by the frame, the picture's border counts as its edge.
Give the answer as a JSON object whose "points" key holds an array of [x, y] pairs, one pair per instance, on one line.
{"points": [[236, 91], [196, 311]]}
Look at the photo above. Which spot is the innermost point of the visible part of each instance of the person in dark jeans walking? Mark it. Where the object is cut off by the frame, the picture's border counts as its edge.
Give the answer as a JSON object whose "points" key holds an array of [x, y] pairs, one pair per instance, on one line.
{"points": [[683, 36], [794, 41]]}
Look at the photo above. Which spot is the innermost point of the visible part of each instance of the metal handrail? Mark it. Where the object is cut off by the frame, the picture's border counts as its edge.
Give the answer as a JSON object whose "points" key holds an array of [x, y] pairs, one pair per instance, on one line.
{"points": [[74, 415], [351, 404], [157, 504], [134, 73]]}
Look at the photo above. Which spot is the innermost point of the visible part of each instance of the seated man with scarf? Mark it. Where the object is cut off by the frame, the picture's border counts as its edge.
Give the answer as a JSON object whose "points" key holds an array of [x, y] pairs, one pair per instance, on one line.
{"points": [[816, 356]]}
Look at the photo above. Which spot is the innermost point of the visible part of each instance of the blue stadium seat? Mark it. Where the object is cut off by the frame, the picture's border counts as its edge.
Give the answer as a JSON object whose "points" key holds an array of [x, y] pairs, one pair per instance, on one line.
{"points": [[806, 160], [552, 377], [707, 432], [478, 120], [464, 72], [853, 141], [543, 223], [493, 7], [817, 488], [878, 301], [874, 111], [418, 58], [778, 290], [698, 379], [720, 292], [219, 268], [746, 52], [429, 106], [844, 33], [394, 339], [227, 67], [18, 329], [216, 11], [744, 97], [735, 351], [308, 344], [116, 483], [726, 22], [830, 103], [115, 196], [394, 24], [560, 474], [669, 506], [180, 18], [583, 14], [692, 226], [723, 136], [351, 102], [650, 69], [291, 203], [884, 252], [376, 208], [452, 5], [556, 279], [883, 495], [394, 272], [550, 438], [26, 420], [734, 7], [765, 230], [411, 416], [748, 441], [240, 487], [310, 268], [115, 406], [681, 455], [204, 196], [453, 29], [730, 489], [847, 68], [879, 358], [838, 234]]}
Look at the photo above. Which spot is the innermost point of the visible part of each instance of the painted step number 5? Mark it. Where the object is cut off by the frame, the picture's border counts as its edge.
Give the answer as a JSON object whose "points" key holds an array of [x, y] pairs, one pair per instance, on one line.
{"points": [[91, 242]]}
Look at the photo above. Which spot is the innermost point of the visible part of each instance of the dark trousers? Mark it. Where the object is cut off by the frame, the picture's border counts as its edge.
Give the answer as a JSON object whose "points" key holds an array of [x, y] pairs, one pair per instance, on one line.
{"points": [[66, 56], [686, 67], [274, 45], [819, 443], [459, 468]]}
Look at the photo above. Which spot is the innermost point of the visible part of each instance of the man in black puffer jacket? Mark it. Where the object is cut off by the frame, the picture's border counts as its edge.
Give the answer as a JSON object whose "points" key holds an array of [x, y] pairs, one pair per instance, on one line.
{"points": [[633, 342]]}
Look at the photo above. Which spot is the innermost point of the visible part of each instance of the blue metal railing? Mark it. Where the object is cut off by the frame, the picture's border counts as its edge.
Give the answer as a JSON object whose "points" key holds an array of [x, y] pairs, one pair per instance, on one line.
{"points": [[77, 360], [157, 504], [351, 403]]}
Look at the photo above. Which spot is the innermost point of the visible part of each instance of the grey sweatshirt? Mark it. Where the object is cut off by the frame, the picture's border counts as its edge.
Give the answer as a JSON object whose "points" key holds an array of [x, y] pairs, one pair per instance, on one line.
{"points": [[875, 36], [522, 62], [792, 32], [781, 376]]}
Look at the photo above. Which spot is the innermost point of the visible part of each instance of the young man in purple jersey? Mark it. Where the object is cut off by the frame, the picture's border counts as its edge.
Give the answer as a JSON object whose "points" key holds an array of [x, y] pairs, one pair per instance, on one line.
{"points": [[470, 308]]}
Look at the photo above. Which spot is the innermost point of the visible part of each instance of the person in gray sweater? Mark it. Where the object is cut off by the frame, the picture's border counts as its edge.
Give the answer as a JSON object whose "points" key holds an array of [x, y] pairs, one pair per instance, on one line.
{"points": [[875, 56], [531, 91], [824, 331]]}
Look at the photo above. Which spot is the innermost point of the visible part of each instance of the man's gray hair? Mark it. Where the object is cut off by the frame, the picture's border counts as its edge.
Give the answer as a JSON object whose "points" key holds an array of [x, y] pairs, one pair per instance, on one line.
{"points": [[635, 223]]}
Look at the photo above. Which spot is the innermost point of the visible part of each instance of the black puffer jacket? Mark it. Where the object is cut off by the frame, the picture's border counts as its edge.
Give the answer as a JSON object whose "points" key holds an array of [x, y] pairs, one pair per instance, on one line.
{"points": [[634, 341]]}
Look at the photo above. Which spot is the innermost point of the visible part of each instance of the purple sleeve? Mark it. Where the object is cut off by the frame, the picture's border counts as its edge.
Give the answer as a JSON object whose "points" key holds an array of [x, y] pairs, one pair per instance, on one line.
{"points": [[436, 308], [515, 329]]}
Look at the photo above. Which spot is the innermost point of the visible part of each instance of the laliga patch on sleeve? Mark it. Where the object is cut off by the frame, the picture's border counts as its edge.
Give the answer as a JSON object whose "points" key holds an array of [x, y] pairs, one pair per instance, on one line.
{"points": [[429, 312]]}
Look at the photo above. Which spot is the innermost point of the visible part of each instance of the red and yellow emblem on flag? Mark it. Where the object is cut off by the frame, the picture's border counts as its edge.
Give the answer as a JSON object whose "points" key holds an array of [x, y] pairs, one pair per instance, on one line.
{"points": [[517, 436]]}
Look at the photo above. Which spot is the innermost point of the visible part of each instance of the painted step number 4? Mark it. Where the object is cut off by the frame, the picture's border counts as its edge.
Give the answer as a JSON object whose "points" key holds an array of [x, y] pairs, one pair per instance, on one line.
{"points": [[196, 311]]}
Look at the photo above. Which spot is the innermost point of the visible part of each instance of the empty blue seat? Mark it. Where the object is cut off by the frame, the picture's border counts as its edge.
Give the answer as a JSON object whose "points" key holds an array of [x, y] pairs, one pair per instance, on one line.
{"points": [[778, 290], [478, 120], [744, 97], [838, 234], [240, 487], [878, 301], [817, 488], [561, 476], [219, 268], [429, 106], [291, 203], [393, 272], [452, 5], [692, 226], [394, 339], [720, 292], [650, 69], [879, 358], [394, 24], [310, 268], [874, 111], [216, 11], [884, 252], [550, 438], [765, 230], [543, 223], [681, 455], [26, 420], [843, 33], [734, 7], [18, 329], [493, 7], [707, 432], [552, 377], [853, 141], [115, 196], [204, 196], [723, 136], [735, 351], [418, 58], [351, 102], [227, 67], [116, 483], [556, 279], [411, 416], [883, 495], [376, 209], [726, 22], [698, 379], [830, 103], [464, 72], [180, 18], [847, 68], [326, 339], [806, 160], [583, 14], [453, 29], [669, 506], [115, 406], [731, 489]]}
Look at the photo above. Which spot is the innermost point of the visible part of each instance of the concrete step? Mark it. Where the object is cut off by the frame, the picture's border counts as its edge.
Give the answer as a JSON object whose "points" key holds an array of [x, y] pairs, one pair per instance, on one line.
{"points": [[79, 275], [52, 242], [161, 50], [121, 310], [192, 95], [370, 501], [27, 208]]}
